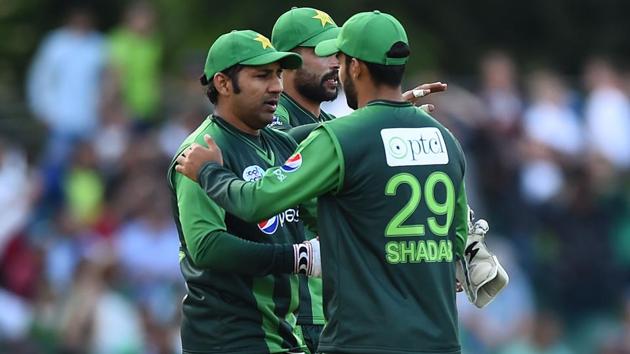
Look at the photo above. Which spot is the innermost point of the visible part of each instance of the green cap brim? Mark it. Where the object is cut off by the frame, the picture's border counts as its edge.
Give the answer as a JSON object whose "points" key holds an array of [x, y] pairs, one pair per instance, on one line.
{"points": [[287, 60], [326, 48], [331, 33]]}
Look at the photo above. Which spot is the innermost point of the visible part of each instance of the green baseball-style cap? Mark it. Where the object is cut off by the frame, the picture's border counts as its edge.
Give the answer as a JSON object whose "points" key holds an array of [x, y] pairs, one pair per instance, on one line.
{"points": [[367, 36], [302, 27], [247, 48]]}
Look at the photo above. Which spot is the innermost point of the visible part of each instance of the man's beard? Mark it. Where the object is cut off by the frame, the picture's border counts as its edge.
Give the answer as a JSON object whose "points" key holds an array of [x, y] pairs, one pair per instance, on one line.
{"points": [[308, 86], [351, 91]]}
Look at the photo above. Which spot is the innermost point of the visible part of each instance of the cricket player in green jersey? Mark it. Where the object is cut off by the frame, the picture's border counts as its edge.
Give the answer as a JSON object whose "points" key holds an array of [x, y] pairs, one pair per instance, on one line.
{"points": [[392, 210], [242, 296], [299, 30]]}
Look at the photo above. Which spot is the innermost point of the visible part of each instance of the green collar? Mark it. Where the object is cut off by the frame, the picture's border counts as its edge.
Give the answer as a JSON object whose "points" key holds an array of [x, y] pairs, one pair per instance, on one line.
{"points": [[304, 110], [389, 103]]}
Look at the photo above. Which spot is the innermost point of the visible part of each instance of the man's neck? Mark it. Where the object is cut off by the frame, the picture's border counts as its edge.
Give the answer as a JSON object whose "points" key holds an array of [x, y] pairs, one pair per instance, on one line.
{"points": [[309, 105], [233, 120], [382, 92]]}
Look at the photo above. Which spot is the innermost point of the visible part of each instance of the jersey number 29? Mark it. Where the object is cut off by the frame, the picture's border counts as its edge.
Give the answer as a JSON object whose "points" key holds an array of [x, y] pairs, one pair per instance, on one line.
{"points": [[395, 227]]}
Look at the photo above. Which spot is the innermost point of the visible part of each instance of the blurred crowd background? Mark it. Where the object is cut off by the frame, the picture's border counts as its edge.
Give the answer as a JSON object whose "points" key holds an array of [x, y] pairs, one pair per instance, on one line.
{"points": [[95, 97]]}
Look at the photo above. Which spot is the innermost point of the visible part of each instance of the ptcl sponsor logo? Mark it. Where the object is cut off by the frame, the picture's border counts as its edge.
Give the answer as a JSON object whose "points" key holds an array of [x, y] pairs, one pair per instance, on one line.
{"points": [[414, 146]]}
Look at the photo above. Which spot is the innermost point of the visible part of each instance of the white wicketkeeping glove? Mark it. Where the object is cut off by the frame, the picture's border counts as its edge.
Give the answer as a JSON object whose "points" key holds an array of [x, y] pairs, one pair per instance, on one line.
{"points": [[479, 272], [306, 258]]}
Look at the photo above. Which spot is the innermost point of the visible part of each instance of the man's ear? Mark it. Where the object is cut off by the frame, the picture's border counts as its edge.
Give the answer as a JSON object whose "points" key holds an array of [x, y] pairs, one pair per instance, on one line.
{"points": [[356, 68], [222, 83]]}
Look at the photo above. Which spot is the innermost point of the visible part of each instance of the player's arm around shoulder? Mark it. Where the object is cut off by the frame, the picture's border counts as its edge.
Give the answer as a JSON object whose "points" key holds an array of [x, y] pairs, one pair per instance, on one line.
{"points": [[312, 170]]}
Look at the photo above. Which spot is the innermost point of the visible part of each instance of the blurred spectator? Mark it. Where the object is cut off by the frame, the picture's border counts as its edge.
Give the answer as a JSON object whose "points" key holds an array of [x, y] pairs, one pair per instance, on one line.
{"points": [[94, 317], [495, 143], [15, 318], [112, 141], [17, 192], [554, 138], [499, 90], [65, 241], [20, 267], [550, 119], [141, 165], [64, 81], [607, 114], [148, 241], [83, 185], [136, 55]]}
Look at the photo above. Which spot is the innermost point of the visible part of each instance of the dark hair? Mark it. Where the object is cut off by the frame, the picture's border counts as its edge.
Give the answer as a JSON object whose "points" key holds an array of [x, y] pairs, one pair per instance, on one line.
{"points": [[388, 75], [231, 73]]}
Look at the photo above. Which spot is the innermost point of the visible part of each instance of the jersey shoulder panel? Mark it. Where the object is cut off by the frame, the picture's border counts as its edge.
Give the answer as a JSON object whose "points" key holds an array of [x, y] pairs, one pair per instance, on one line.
{"points": [[207, 127]]}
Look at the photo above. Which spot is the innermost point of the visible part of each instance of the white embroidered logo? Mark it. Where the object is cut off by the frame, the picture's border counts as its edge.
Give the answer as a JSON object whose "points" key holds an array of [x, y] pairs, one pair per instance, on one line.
{"points": [[414, 146]]}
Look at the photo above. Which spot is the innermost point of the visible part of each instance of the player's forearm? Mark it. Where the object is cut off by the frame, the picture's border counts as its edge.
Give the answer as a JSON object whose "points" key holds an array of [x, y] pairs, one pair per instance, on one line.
{"points": [[222, 251], [236, 196]]}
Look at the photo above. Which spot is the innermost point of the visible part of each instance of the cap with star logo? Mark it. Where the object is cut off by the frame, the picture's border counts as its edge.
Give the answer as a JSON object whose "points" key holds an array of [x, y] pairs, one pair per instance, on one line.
{"points": [[246, 48], [302, 27], [368, 36]]}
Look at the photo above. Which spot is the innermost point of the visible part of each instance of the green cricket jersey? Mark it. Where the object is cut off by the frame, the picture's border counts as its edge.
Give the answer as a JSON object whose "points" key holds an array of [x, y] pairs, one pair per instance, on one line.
{"points": [[392, 217], [291, 115], [238, 300]]}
